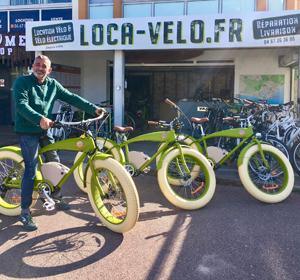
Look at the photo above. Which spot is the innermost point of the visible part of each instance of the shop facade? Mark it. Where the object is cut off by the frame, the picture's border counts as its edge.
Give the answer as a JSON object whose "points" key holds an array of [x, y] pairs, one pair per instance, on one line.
{"points": [[253, 55]]}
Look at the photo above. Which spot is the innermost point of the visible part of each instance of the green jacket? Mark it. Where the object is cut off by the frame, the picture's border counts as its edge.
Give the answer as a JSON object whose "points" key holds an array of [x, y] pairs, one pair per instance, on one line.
{"points": [[34, 100]]}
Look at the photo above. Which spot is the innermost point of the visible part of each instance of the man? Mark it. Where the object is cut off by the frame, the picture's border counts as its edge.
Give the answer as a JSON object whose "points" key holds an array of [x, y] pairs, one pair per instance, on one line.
{"points": [[34, 100]]}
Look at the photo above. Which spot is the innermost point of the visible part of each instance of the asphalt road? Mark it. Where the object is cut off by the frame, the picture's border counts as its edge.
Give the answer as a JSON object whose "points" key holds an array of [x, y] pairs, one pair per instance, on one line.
{"points": [[233, 237]]}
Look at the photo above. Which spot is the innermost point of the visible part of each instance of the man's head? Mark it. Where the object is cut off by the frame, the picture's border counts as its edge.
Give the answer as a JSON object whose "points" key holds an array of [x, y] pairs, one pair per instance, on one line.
{"points": [[41, 67]]}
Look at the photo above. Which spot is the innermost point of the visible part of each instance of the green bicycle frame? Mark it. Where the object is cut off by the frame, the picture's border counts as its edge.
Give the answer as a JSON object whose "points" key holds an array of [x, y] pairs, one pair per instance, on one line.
{"points": [[246, 134], [84, 144], [165, 137]]}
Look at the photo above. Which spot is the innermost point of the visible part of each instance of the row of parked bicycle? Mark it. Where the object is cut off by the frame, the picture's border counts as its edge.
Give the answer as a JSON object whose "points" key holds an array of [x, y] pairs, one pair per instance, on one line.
{"points": [[185, 165]]}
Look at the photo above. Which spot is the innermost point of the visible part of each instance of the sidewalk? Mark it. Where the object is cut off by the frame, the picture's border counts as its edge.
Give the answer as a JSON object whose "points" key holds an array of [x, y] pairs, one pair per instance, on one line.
{"points": [[225, 175]]}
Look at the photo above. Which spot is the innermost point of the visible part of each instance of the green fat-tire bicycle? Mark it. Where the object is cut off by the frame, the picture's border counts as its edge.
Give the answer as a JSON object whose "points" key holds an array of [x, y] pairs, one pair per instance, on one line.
{"points": [[110, 188], [264, 170], [185, 176]]}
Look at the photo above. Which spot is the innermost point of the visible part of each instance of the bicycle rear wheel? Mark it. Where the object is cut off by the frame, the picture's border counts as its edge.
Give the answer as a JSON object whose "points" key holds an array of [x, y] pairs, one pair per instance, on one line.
{"points": [[278, 144], [188, 184], [11, 173], [118, 208]]}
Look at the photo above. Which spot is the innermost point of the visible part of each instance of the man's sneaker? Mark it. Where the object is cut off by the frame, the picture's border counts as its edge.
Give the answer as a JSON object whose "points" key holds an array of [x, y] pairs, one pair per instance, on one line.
{"points": [[27, 222], [60, 204]]}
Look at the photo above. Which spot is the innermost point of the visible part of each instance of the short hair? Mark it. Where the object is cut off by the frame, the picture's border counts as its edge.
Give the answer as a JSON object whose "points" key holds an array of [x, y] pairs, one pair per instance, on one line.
{"points": [[43, 57]]}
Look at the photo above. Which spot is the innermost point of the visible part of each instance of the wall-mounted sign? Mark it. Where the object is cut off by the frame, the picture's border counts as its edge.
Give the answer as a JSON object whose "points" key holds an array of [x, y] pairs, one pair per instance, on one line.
{"points": [[213, 31], [17, 19], [53, 34], [57, 14], [3, 22]]}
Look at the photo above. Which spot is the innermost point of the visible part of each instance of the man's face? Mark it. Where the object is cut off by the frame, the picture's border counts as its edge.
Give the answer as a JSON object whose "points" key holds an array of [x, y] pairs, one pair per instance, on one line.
{"points": [[41, 69]]}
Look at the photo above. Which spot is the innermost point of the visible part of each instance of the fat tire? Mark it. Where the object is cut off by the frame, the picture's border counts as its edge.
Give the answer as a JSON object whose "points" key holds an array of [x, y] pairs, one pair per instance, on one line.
{"points": [[174, 198], [128, 187], [13, 209], [250, 185]]}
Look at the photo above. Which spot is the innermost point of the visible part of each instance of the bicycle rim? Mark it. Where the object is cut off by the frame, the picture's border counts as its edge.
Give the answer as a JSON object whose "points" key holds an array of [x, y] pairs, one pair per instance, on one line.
{"points": [[270, 180]]}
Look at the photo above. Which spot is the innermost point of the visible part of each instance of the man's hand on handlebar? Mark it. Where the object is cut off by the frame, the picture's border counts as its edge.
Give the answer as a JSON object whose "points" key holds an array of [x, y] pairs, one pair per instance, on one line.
{"points": [[46, 123], [100, 111]]}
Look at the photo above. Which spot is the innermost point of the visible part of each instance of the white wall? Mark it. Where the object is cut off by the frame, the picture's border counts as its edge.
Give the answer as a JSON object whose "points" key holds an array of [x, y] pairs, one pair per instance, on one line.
{"points": [[93, 65], [94, 75]]}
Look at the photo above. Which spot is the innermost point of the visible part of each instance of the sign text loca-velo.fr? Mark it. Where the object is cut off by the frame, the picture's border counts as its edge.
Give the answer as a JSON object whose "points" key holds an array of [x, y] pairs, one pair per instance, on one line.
{"points": [[53, 34]]}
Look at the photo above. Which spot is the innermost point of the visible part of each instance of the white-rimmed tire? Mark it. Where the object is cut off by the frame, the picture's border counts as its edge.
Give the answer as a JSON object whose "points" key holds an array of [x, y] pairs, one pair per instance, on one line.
{"points": [[118, 208], [11, 173], [270, 185], [191, 189]]}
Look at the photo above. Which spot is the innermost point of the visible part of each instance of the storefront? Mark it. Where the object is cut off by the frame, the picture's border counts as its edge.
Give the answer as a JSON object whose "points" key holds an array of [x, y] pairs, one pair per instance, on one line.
{"points": [[189, 57]]}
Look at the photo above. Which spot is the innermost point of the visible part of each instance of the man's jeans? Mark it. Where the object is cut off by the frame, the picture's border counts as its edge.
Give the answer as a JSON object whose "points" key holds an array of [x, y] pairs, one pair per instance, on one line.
{"points": [[29, 147]]}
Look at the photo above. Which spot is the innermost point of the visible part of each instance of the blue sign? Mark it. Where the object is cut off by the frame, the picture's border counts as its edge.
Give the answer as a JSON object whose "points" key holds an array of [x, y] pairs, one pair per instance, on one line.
{"points": [[18, 19], [57, 14], [3, 22]]}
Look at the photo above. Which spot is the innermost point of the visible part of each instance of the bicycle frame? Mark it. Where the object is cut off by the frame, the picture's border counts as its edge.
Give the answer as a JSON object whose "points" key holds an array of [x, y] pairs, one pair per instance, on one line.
{"points": [[85, 144], [246, 134], [165, 137]]}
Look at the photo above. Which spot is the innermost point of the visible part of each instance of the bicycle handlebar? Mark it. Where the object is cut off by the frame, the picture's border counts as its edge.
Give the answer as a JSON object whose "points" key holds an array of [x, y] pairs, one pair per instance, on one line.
{"points": [[171, 103], [88, 121]]}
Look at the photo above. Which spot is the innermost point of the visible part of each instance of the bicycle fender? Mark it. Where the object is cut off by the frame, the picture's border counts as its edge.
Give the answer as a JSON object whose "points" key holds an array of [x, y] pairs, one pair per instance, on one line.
{"points": [[243, 151], [111, 145], [13, 149], [101, 156], [164, 154]]}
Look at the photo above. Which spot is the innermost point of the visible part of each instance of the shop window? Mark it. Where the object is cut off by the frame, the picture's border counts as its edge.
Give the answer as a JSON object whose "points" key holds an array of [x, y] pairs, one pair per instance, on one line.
{"points": [[203, 7], [275, 5], [137, 10], [292, 4], [261, 5], [101, 12], [5, 3], [169, 9], [229, 6]]}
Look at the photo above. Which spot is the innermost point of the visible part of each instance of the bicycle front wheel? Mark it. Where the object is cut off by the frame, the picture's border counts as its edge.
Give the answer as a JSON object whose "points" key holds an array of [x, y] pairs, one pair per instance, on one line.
{"points": [[272, 183], [113, 195], [187, 181], [11, 174]]}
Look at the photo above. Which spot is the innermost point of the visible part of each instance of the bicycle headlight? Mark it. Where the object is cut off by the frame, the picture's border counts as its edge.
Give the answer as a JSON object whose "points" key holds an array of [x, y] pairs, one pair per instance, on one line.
{"points": [[258, 135]]}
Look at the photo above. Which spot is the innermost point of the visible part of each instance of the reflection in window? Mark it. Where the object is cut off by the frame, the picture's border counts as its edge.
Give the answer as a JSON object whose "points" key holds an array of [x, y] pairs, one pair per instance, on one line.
{"points": [[137, 10], [169, 9], [101, 12], [231, 6], [275, 5], [202, 7]]}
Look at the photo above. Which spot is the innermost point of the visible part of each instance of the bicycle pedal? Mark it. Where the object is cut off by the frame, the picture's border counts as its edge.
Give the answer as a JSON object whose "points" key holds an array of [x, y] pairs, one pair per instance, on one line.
{"points": [[49, 206]]}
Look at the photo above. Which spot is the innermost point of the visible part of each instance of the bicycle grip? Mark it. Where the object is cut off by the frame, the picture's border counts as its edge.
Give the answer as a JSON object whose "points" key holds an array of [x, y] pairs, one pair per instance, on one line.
{"points": [[171, 103]]}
